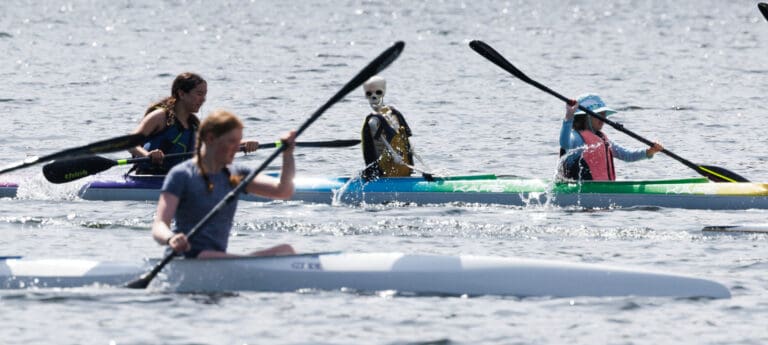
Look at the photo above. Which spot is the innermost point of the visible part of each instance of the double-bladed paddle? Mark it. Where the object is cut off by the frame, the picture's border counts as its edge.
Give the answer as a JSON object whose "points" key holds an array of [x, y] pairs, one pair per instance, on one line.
{"points": [[105, 146], [377, 65], [713, 173], [763, 7], [67, 170]]}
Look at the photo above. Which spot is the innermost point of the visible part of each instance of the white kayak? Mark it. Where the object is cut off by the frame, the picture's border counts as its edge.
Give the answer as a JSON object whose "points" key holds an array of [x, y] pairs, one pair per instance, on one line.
{"points": [[366, 272], [755, 228]]}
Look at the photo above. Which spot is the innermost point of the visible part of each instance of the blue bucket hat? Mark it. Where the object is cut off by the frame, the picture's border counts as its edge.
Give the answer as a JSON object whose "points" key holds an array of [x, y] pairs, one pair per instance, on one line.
{"points": [[595, 103]]}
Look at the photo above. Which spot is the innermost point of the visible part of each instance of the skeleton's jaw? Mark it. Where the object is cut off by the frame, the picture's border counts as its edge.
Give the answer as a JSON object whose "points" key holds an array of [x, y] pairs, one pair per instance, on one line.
{"points": [[377, 106]]}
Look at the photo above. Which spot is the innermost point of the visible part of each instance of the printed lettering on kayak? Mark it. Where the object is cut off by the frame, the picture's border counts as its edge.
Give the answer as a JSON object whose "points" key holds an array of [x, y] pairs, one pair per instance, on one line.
{"points": [[307, 266]]}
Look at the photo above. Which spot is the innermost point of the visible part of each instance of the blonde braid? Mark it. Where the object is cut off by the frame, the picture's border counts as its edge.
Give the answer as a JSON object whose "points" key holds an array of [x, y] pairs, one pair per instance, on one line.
{"points": [[218, 123], [198, 149]]}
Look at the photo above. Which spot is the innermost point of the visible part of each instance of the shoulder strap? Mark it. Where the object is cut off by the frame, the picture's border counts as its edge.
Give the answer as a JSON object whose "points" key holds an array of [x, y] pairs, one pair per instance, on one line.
{"points": [[402, 121], [382, 124], [369, 151]]}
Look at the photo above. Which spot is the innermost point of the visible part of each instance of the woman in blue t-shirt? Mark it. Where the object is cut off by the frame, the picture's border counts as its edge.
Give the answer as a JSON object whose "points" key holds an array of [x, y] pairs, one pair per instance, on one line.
{"points": [[193, 187]]}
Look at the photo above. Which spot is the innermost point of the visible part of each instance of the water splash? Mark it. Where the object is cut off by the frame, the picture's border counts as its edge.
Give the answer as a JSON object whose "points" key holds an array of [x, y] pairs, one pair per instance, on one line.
{"points": [[35, 187]]}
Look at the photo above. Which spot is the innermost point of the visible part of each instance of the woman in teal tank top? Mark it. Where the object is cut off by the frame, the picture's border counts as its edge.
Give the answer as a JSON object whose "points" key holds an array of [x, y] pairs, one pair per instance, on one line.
{"points": [[171, 125]]}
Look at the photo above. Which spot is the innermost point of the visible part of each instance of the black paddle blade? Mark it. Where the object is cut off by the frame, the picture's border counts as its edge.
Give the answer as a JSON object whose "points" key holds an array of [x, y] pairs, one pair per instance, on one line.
{"points": [[67, 170], [374, 67], [492, 55], [718, 174], [110, 145], [143, 281], [763, 7], [140, 283]]}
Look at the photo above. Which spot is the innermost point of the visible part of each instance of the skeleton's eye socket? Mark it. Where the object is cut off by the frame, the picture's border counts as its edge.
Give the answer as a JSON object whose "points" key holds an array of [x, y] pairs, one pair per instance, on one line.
{"points": [[379, 92], [368, 94]]}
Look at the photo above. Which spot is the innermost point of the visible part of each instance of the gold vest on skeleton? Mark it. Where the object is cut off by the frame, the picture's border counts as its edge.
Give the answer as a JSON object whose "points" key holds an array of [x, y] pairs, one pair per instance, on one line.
{"points": [[397, 138], [401, 146]]}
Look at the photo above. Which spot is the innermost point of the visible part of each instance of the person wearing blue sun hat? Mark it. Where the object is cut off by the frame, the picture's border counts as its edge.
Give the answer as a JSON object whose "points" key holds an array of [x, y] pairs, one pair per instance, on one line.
{"points": [[588, 153]]}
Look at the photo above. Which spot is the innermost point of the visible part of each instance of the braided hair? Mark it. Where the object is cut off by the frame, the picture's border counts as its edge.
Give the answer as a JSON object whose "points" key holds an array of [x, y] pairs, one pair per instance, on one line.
{"points": [[218, 123]]}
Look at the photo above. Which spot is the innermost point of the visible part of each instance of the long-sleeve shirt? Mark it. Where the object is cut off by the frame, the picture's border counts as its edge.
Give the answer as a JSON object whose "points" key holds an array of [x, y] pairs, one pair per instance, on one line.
{"points": [[571, 141]]}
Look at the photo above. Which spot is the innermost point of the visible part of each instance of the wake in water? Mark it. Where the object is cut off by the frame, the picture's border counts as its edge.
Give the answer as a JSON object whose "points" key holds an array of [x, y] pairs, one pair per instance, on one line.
{"points": [[36, 187]]}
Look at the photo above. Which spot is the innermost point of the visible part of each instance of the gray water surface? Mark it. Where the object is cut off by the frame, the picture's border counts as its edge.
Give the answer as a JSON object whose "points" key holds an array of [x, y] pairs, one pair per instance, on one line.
{"points": [[690, 74]]}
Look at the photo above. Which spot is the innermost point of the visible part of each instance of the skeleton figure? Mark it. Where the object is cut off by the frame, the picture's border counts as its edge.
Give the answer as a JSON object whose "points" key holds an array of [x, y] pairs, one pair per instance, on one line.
{"points": [[375, 88], [385, 135]]}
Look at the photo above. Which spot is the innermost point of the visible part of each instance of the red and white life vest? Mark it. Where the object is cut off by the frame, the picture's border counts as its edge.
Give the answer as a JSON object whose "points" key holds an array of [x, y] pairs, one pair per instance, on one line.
{"points": [[598, 156]]}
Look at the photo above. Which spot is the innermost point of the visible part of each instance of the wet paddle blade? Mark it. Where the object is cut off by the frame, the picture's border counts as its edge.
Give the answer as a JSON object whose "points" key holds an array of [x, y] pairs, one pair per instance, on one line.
{"points": [[374, 67], [763, 7], [143, 281], [718, 174], [67, 170], [492, 55], [140, 283]]}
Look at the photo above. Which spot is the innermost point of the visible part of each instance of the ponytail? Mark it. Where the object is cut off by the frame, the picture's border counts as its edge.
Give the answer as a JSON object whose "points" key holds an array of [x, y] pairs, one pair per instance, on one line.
{"points": [[186, 82]]}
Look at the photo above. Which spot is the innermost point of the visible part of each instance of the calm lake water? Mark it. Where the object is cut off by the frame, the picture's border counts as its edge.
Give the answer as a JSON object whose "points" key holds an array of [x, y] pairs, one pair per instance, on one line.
{"points": [[691, 74]]}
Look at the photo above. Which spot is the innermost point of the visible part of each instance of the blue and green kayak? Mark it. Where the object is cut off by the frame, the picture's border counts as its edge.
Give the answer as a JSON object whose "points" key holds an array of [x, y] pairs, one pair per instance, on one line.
{"points": [[689, 193]]}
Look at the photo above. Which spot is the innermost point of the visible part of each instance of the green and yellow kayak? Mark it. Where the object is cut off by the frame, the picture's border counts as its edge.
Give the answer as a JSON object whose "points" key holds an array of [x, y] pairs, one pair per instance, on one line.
{"points": [[690, 193]]}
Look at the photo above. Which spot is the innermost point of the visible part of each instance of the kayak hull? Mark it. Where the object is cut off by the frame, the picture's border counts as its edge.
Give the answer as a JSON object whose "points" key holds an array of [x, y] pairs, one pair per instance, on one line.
{"points": [[369, 272], [741, 228], [693, 193], [147, 188], [8, 189]]}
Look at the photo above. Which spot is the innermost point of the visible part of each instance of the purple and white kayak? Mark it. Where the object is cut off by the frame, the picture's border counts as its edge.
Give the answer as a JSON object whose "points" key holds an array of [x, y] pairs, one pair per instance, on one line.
{"points": [[147, 187], [8, 189]]}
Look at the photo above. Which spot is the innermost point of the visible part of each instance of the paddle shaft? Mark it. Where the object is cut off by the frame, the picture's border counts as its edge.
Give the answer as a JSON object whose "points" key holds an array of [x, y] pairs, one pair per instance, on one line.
{"points": [[613, 124], [105, 146], [332, 143], [377, 65], [491, 54], [68, 170]]}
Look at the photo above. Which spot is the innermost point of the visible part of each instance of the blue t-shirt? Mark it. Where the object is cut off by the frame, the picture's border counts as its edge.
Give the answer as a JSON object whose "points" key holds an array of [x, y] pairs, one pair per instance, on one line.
{"points": [[185, 182]]}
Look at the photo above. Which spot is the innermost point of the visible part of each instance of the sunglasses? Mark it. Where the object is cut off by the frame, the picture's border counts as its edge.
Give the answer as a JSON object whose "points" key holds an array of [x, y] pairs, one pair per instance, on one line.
{"points": [[378, 93]]}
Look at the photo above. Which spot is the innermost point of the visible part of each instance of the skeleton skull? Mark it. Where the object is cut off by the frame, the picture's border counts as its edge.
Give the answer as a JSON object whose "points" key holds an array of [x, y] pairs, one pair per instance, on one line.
{"points": [[375, 88]]}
